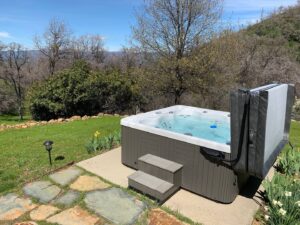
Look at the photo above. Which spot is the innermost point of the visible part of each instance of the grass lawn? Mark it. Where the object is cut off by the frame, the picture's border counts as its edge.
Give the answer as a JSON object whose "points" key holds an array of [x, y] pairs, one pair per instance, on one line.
{"points": [[23, 156], [11, 120]]}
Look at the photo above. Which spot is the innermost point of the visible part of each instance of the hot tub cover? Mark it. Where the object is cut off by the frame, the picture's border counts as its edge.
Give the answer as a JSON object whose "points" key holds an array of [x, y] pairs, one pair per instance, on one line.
{"points": [[260, 124]]}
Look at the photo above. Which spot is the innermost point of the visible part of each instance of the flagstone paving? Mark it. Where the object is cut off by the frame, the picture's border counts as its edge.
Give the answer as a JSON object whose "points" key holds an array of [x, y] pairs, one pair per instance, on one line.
{"points": [[74, 216], [106, 204], [160, 217], [12, 207], [68, 198], [66, 176], [88, 183], [43, 212], [26, 223], [44, 191], [115, 205]]}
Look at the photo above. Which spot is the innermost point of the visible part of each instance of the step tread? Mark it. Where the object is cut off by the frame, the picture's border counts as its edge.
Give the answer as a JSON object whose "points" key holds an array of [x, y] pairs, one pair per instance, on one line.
{"points": [[161, 162], [151, 182]]}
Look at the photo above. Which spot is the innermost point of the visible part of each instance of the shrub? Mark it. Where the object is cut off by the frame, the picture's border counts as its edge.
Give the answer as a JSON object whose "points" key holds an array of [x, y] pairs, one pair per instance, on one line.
{"points": [[80, 91], [283, 200], [289, 162], [98, 143]]}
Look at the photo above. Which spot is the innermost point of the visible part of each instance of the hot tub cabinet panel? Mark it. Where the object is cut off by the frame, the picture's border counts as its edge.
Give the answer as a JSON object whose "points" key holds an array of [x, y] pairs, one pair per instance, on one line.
{"points": [[199, 175]]}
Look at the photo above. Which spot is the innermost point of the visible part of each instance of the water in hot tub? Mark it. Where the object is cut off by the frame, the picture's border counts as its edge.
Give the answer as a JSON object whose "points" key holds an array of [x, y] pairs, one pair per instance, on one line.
{"points": [[201, 126]]}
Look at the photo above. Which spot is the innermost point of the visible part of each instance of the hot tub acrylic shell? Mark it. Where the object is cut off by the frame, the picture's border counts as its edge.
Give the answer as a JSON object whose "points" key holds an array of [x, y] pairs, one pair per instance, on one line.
{"points": [[199, 174]]}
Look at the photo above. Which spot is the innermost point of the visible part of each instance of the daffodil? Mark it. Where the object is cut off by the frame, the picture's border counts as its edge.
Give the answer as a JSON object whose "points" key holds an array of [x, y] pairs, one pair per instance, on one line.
{"points": [[267, 217], [266, 208], [282, 211], [97, 134], [274, 202], [288, 193], [279, 203], [297, 203]]}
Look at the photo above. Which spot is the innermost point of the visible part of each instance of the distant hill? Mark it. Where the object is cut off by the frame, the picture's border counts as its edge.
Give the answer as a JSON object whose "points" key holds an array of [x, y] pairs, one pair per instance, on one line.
{"points": [[285, 24]]}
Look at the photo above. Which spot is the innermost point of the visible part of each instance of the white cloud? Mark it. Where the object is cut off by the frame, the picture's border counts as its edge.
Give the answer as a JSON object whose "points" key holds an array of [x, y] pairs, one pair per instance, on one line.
{"points": [[4, 34]]}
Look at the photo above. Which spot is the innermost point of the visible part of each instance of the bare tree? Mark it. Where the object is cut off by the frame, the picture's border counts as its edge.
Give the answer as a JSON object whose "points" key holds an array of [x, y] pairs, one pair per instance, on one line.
{"points": [[53, 43], [12, 73], [172, 28], [88, 47]]}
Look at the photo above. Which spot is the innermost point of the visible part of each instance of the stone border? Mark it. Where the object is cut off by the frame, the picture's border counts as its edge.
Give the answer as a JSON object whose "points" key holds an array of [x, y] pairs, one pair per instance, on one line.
{"points": [[33, 123]]}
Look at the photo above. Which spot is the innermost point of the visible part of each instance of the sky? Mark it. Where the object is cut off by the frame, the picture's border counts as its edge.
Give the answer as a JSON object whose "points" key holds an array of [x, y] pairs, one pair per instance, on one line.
{"points": [[21, 20]]}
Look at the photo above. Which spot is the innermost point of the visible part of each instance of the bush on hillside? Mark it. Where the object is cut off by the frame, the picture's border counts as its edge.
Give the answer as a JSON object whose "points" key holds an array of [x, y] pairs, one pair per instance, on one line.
{"points": [[79, 91]]}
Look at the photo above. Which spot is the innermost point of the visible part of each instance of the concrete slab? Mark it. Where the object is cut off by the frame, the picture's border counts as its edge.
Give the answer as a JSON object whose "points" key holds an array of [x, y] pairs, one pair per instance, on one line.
{"points": [[108, 166], [197, 208], [207, 212]]}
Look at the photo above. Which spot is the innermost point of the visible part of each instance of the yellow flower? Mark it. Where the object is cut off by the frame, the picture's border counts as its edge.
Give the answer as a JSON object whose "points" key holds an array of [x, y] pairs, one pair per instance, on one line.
{"points": [[97, 134], [297, 203]]}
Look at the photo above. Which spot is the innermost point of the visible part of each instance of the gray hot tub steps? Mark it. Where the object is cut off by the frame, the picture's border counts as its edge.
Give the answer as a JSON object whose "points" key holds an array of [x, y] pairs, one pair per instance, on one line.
{"points": [[162, 168], [156, 177], [151, 185]]}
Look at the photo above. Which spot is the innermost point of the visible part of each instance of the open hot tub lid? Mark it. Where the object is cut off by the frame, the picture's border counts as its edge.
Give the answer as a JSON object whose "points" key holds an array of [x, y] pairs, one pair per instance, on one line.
{"points": [[260, 124]]}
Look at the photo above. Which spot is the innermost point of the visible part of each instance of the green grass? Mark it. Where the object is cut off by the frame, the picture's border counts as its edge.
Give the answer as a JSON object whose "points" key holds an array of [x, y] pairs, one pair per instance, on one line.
{"points": [[23, 157], [11, 120]]}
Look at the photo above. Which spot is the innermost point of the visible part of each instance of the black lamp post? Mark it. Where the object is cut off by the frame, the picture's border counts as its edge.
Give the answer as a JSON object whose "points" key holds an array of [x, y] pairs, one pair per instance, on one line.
{"points": [[48, 147]]}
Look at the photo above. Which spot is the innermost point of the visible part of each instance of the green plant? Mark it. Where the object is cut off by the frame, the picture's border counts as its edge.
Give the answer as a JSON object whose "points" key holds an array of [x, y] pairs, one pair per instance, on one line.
{"points": [[283, 200], [98, 143], [289, 161], [81, 91]]}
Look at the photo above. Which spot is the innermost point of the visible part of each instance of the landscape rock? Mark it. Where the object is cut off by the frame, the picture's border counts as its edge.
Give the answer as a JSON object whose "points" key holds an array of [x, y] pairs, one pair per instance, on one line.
{"points": [[88, 183], [114, 205], [44, 191], [68, 198], [100, 114], [85, 117], [43, 212], [65, 177], [159, 217], [73, 216], [12, 207], [75, 118]]}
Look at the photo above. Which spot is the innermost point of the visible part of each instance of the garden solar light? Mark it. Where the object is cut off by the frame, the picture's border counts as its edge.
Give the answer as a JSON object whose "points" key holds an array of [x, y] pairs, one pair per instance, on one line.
{"points": [[48, 147]]}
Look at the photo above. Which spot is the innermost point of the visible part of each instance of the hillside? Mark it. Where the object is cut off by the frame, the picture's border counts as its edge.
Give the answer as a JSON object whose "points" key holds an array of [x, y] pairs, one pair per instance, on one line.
{"points": [[284, 24]]}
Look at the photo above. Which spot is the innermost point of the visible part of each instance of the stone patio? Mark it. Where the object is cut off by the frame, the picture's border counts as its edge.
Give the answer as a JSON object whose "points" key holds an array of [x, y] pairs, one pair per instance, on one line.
{"points": [[197, 208], [115, 205], [12, 207], [71, 202], [44, 191], [77, 198]]}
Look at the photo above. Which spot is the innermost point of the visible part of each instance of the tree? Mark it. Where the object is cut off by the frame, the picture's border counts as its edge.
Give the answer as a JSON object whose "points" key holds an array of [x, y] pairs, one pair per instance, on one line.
{"points": [[53, 43], [88, 47], [12, 73], [171, 29]]}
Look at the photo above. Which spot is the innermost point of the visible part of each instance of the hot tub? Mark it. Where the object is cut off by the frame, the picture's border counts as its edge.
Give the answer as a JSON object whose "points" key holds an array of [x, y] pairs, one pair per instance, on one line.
{"points": [[179, 133], [217, 151]]}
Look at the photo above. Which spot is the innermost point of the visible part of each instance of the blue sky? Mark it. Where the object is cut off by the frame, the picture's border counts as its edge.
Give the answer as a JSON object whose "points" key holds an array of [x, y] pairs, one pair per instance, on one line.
{"points": [[21, 20]]}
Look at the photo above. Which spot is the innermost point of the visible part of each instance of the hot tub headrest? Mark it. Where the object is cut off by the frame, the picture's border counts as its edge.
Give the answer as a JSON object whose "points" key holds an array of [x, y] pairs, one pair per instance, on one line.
{"points": [[260, 124]]}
